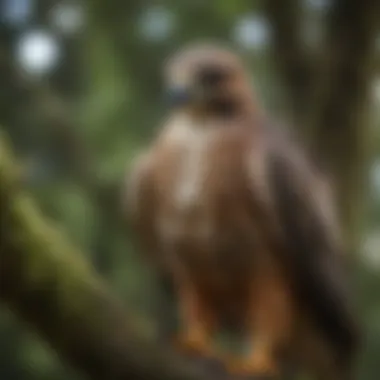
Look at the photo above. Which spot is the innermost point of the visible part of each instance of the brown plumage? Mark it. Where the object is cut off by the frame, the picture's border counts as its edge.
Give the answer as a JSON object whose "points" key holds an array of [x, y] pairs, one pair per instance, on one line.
{"points": [[232, 210]]}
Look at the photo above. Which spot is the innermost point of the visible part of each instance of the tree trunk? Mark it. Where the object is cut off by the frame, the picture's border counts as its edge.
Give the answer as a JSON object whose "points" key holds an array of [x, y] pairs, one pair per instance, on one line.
{"points": [[329, 94], [341, 123], [292, 58]]}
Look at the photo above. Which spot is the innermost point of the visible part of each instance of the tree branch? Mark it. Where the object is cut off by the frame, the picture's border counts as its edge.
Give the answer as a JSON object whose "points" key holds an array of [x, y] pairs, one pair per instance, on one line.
{"points": [[46, 282]]}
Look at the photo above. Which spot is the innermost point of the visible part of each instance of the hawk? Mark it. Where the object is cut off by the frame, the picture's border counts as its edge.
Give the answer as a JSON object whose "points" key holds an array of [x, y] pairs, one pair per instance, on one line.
{"points": [[233, 211]]}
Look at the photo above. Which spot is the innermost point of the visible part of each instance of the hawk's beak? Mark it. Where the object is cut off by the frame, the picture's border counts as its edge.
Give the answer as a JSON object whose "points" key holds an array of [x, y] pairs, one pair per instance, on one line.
{"points": [[179, 96]]}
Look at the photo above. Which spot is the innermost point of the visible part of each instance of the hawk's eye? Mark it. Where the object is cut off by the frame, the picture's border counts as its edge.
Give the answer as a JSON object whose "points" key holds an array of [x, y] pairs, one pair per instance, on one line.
{"points": [[211, 76]]}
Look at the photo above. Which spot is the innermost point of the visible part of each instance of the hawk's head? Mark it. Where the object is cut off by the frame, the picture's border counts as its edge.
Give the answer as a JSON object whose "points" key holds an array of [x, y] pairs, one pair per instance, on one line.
{"points": [[206, 78]]}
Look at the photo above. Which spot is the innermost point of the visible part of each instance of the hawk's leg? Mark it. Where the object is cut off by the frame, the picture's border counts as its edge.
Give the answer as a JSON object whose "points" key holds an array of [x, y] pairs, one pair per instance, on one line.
{"points": [[197, 323], [269, 327]]}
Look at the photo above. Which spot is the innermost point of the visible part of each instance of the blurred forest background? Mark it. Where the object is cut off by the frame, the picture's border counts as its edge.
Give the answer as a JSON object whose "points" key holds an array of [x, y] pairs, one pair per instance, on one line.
{"points": [[80, 94]]}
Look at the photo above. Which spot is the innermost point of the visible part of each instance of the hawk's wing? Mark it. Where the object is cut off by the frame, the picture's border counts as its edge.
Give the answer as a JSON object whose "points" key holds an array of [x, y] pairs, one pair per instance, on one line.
{"points": [[300, 224]]}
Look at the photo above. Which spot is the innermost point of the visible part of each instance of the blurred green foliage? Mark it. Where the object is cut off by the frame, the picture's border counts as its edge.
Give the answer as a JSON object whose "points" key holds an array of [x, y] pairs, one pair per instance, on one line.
{"points": [[107, 80]]}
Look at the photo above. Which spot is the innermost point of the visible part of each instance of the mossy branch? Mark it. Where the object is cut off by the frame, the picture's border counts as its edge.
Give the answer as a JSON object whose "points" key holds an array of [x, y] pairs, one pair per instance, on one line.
{"points": [[46, 281]]}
